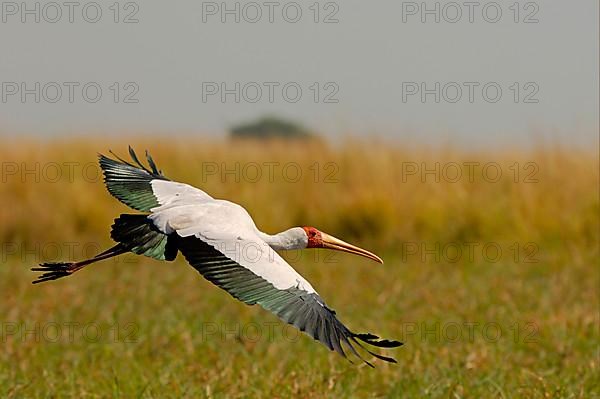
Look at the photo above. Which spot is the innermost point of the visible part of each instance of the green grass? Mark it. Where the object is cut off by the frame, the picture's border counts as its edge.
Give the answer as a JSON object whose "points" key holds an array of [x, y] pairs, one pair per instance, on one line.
{"points": [[524, 329], [537, 334]]}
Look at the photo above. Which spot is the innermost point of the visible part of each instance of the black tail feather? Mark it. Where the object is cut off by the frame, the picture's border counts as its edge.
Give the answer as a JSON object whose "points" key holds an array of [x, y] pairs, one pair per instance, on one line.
{"points": [[139, 235]]}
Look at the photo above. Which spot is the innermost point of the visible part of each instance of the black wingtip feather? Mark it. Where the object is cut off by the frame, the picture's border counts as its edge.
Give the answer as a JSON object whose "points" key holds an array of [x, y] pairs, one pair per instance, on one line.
{"points": [[378, 356], [152, 164], [372, 340], [135, 158], [118, 158], [376, 341]]}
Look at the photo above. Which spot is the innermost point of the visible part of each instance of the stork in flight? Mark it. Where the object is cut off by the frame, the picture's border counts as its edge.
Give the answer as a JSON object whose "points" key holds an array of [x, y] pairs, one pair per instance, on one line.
{"points": [[220, 240]]}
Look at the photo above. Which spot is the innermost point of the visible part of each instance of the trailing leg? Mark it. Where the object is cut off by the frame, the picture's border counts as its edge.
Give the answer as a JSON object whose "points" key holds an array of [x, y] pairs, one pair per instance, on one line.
{"points": [[134, 233], [56, 270]]}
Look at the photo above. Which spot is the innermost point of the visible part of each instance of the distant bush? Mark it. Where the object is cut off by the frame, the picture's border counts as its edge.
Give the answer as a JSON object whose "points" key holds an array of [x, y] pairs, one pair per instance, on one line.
{"points": [[270, 127]]}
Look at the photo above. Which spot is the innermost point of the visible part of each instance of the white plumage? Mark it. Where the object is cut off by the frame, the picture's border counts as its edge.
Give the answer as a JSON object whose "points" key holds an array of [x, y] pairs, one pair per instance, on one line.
{"points": [[228, 228]]}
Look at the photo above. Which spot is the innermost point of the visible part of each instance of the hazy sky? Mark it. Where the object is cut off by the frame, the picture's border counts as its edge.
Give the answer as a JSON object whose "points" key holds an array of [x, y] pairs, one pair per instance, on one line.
{"points": [[343, 67]]}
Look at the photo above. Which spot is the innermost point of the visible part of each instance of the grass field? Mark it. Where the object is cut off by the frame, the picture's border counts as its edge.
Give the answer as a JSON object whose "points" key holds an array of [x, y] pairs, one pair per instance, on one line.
{"points": [[490, 279]]}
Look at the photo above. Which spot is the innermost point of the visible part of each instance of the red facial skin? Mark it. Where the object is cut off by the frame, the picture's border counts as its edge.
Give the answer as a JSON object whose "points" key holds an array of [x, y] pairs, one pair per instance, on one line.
{"points": [[314, 237]]}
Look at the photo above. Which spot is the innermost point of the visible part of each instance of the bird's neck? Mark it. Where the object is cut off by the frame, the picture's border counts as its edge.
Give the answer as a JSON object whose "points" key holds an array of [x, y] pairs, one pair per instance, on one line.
{"points": [[281, 241]]}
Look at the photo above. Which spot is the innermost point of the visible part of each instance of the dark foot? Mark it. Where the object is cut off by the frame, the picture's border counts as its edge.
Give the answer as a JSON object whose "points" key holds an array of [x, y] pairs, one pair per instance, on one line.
{"points": [[55, 270]]}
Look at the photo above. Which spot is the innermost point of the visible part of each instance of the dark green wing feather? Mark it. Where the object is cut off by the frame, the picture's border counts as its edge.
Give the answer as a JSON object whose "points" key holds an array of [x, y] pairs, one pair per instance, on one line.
{"points": [[131, 183], [306, 311]]}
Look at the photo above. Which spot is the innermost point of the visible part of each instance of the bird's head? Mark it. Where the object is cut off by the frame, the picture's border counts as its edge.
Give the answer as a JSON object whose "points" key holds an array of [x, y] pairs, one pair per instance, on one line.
{"points": [[318, 239]]}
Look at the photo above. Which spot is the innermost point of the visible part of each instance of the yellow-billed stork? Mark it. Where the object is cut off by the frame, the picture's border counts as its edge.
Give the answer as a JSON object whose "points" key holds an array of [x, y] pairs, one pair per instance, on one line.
{"points": [[220, 240]]}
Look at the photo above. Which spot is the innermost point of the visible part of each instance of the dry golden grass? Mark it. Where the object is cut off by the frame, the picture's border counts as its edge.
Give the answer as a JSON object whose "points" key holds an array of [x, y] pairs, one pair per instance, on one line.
{"points": [[545, 302]]}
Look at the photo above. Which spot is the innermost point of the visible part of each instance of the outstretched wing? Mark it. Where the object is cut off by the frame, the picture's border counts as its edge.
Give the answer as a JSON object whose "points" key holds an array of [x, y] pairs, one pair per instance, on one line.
{"points": [[141, 188], [252, 273]]}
